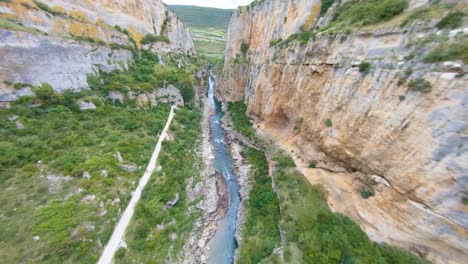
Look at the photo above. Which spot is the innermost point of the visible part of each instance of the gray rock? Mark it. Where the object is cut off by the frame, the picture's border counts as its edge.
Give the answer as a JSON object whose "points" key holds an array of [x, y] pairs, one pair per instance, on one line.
{"points": [[104, 173], [86, 105], [129, 167], [173, 201], [118, 156], [116, 96], [88, 198], [63, 63], [13, 118], [86, 175], [19, 125]]}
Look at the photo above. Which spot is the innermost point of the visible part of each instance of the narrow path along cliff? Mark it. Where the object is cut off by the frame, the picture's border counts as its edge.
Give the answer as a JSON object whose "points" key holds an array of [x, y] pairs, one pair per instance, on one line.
{"points": [[117, 236]]}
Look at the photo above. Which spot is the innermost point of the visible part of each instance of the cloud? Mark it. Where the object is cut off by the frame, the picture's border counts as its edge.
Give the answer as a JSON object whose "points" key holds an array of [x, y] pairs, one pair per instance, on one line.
{"points": [[227, 4]]}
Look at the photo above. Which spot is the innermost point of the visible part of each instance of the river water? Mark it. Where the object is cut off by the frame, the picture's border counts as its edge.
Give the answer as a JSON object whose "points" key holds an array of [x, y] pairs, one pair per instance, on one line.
{"points": [[223, 245]]}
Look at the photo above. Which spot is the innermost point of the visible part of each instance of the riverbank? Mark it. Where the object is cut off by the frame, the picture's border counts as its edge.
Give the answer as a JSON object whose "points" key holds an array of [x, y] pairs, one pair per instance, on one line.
{"points": [[208, 194]]}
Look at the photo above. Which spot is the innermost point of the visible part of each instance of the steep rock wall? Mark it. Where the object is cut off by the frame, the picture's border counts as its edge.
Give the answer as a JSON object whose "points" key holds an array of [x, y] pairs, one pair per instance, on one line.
{"points": [[74, 38], [363, 130]]}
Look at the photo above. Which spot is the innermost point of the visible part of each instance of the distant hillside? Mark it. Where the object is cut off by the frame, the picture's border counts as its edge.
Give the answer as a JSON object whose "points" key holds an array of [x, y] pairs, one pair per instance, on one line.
{"points": [[203, 17]]}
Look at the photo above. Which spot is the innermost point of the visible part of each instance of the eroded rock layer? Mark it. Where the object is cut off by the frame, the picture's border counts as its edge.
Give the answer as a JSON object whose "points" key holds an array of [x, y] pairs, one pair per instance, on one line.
{"points": [[362, 129], [60, 41]]}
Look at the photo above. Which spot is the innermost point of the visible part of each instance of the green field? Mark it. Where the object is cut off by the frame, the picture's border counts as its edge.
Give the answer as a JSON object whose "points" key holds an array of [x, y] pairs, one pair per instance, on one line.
{"points": [[208, 27]]}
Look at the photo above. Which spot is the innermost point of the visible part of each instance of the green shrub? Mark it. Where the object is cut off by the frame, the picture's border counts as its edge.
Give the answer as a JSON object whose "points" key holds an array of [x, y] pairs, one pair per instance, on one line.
{"points": [[449, 52], [284, 161], [46, 93], [275, 42], [244, 48], [240, 120], [366, 193], [420, 85], [328, 123], [364, 67], [313, 165], [326, 4], [47, 8], [120, 253], [150, 38], [451, 20]]}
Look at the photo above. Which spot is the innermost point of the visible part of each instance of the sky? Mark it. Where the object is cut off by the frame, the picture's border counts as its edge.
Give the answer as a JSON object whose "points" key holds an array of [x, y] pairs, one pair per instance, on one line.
{"points": [[226, 4]]}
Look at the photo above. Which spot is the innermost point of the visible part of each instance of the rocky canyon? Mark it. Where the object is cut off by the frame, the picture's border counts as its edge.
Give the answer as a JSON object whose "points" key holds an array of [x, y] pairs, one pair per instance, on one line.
{"points": [[342, 99], [331, 131]]}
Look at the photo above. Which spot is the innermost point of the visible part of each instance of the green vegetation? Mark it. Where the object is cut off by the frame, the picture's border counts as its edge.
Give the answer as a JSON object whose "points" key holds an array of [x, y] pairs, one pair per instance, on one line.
{"points": [[208, 27], [244, 47], [365, 12], [357, 13], [48, 9], [210, 48], [12, 25], [302, 37], [316, 235], [452, 20], [241, 122], [457, 50], [364, 67], [275, 42], [366, 193], [49, 157], [150, 38], [179, 161], [255, 3], [313, 165], [145, 74], [426, 13], [420, 85], [328, 123], [203, 17], [260, 232], [90, 40], [326, 4]]}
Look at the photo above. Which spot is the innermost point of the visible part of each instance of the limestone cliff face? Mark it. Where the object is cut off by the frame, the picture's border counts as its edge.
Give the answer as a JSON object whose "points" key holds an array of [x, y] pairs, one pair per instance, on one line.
{"points": [[60, 41], [363, 130]]}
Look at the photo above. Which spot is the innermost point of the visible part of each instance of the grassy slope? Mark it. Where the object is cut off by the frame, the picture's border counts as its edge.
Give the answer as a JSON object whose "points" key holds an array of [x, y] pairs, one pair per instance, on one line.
{"points": [[203, 17], [208, 27], [68, 142]]}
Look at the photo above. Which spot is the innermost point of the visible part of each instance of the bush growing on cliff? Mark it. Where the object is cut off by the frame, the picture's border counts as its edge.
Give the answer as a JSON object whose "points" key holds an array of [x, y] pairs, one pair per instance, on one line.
{"points": [[244, 48], [328, 123], [457, 50], [420, 85], [326, 4], [364, 67], [366, 193], [48, 9], [150, 38], [451, 20]]}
